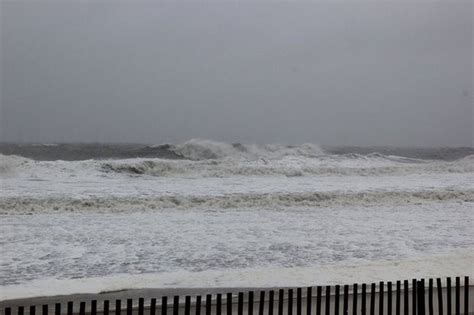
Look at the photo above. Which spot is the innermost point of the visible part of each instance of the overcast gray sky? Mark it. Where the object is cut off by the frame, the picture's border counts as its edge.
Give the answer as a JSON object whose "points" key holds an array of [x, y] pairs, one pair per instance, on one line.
{"points": [[351, 73]]}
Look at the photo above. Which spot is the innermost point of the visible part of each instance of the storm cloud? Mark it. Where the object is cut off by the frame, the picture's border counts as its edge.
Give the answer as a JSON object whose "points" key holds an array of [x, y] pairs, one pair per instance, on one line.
{"points": [[345, 73]]}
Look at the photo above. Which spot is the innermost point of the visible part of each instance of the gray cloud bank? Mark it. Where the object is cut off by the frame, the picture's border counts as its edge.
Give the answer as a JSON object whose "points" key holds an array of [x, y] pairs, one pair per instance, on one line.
{"points": [[363, 73]]}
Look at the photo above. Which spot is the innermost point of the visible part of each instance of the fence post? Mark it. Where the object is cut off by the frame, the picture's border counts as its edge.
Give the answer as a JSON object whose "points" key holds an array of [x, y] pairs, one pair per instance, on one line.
{"points": [[345, 309], [187, 305], [240, 305], [129, 306], [309, 298], [290, 302], [270, 302], [153, 306], [229, 303], [298, 301], [448, 296], [219, 304], [319, 294], [164, 305], [439, 290], [336, 299], [198, 305], [364, 299], [176, 305], [141, 306], [458, 296], [328, 300], [250, 303], [430, 296], [421, 297], [354, 299], [261, 306], [389, 298], [466, 295]]}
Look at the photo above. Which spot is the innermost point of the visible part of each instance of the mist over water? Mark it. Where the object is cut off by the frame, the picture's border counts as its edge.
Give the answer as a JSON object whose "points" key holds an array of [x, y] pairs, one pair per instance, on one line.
{"points": [[100, 186]]}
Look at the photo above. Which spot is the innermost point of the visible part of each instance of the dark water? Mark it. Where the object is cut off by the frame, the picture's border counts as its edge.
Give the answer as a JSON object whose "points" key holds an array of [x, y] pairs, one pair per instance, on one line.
{"points": [[74, 151]]}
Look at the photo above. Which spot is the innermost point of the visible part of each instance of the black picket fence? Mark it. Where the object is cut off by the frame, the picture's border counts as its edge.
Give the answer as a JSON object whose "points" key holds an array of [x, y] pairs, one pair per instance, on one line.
{"points": [[401, 297]]}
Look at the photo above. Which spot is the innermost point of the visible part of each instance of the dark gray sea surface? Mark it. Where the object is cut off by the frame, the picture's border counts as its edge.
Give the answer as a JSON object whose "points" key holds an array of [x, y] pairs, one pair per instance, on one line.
{"points": [[85, 151]]}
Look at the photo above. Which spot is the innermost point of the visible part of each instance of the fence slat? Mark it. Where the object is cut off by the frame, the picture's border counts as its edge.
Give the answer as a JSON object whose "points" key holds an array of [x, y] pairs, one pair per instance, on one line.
{"points": [[448, 296], [218, 304], [345, 309], [187, 305], [372, 299], [240, 305], [413, 296], [406, 292], [153, 306], [94, 307], [397, 298], [389, 298], [336, 299], [250, 304], [261, 305], [298, 301], [208, 304], [271, 299], [129, 306], [118, 306], [82, 308], [466, 295], [319, 290], [309, 300], [280, 302], [354, 299], [141, 306], [229, 304], [164, 305], [381, 293], [363, 309], [440, 296], [328, 300], [176, 305], [198, 305], [106, 307], [458, 296], [421, 297], [430, 296], [290, 301]]}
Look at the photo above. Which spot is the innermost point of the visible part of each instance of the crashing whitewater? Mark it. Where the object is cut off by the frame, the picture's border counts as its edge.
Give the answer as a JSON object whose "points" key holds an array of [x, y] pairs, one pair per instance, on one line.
{"points": [[205, 213]]}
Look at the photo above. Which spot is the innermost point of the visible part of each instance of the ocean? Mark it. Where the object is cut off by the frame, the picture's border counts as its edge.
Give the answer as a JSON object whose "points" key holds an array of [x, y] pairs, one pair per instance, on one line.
{"points": [[84, 218]]}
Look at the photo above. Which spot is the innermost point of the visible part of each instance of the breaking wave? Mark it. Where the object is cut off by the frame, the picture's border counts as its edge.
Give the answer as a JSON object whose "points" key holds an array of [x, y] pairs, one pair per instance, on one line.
{"points": [[292, 166], [198, 149], [229, 201]]}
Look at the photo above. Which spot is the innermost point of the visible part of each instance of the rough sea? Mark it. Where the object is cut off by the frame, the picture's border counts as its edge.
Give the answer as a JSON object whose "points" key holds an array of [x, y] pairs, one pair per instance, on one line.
{"points": [[92, 217]]}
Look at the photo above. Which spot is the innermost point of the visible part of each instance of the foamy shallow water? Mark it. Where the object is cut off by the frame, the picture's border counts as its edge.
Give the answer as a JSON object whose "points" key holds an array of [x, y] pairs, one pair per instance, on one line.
{"points": [[84, 245], [231, 220]]}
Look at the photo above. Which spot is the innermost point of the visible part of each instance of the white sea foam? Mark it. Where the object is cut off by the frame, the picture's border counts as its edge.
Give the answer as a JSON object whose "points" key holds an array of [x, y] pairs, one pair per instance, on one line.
{"points": [[455, 263], [232, 201], [222, 210]]}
